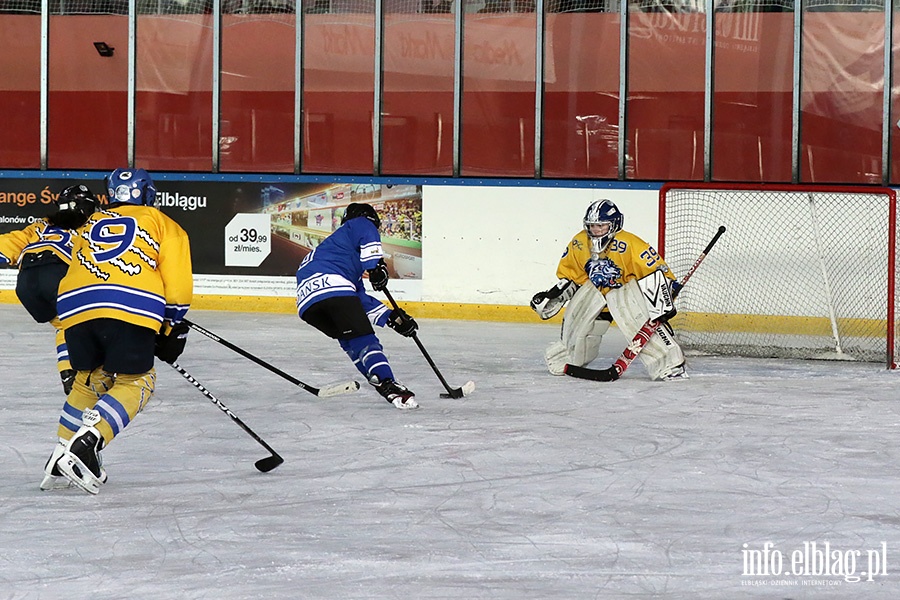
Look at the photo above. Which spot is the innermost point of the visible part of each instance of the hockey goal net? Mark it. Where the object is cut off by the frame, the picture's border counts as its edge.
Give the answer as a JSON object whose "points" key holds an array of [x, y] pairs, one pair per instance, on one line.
{"points": [[802, 271]]}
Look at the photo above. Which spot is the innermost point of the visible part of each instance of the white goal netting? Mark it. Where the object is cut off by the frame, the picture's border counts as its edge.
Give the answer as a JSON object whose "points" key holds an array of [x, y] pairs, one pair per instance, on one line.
{"points": [[801, 272]]}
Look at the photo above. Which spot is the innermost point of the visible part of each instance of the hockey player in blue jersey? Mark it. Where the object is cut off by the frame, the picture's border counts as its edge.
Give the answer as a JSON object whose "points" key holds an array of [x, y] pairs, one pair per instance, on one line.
{"points": [[331, 298]]}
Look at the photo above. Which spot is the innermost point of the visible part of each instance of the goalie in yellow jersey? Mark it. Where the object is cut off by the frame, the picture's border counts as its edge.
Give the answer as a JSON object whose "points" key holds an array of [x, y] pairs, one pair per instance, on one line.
{"points": [[122, 302], [608, 274]]}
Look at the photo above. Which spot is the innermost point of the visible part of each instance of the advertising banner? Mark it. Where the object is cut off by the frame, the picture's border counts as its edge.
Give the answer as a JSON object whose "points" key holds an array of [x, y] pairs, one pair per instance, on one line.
{"points": [[250, 229]]}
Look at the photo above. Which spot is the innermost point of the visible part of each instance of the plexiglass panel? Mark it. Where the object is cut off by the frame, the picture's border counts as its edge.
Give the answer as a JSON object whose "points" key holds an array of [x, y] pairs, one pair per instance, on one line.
{"points": [[841, 94], [174, 87], [666, 77], [498, 90], [20, 86], [88, 85], [417, 103], [339, 87], [581, 90], [752, 99], [257, 103], [894, 117]]}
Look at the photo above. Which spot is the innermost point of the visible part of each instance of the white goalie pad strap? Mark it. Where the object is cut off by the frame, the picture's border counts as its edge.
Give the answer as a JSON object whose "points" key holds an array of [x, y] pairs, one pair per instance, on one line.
{"points": [[629, 309], [581, 331], [658, 294]]}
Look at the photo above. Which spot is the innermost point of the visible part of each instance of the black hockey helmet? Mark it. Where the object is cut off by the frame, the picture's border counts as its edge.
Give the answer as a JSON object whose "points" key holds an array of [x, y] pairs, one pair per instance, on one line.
{"points": [[360, 209], [74, 205]]}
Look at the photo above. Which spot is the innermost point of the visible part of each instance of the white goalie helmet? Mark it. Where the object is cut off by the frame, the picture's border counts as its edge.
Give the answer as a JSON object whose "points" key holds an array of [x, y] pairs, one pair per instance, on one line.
{"points": [[602, 212]]}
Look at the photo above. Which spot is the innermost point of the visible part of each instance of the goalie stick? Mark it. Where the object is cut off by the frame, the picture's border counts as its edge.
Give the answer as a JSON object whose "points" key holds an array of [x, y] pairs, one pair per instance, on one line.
{"points": [[641, 338], [264, 464], [459, 392], [326, 391]]}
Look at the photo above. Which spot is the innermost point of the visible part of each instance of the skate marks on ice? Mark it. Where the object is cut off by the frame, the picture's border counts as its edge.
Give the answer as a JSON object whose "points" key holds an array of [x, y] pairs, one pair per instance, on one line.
{"points": [[535, 487]]}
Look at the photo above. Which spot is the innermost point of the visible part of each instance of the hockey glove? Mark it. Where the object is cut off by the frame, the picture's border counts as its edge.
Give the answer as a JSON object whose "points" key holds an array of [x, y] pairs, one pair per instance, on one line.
{"points": [[170, 346], [402, 323], [547, 304], [378, 276]]}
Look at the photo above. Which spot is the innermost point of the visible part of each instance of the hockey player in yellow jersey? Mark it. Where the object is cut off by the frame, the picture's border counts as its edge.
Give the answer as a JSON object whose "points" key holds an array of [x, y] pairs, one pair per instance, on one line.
{"points": [[608, 274], [42, 252], [122, 302]]}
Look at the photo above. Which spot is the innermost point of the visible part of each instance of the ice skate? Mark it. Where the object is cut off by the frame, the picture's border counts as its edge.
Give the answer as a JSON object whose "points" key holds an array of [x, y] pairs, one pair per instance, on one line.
{"points": [[397, 394], [676, 374], [80, 461]]}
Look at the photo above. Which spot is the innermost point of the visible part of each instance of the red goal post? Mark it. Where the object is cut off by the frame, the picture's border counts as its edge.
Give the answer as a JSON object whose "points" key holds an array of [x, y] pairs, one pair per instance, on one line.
{"points": [[804, 271]]}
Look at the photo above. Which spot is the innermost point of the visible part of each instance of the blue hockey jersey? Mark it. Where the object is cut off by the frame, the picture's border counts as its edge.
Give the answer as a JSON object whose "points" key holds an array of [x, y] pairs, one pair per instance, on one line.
{"points": [[336, 266]]}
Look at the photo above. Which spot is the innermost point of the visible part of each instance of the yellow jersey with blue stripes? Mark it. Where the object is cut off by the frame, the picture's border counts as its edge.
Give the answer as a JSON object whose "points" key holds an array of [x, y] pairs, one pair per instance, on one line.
{"points": [[38, 237], [131, 263], [627, 257]]}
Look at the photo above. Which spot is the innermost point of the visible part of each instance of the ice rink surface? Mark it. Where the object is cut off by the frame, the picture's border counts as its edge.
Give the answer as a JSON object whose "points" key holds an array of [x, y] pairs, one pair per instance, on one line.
{"points": [[534, 487]]}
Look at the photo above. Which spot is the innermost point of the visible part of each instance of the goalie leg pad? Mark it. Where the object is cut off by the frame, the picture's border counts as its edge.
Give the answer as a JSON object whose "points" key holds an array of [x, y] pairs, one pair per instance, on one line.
{"points": [[662, 354], [556, 356], [587, 347], [581, 330]]}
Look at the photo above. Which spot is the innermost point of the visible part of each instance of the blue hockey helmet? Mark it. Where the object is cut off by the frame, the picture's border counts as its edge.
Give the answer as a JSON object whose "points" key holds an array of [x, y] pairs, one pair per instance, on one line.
{"points": [[601, 212], [361, 209], [131, 186]]}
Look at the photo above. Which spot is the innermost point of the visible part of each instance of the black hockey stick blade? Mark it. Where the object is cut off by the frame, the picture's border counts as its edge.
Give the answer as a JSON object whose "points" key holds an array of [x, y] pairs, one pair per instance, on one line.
{"points": [[268, 463], [609, 374], [459, 392]]}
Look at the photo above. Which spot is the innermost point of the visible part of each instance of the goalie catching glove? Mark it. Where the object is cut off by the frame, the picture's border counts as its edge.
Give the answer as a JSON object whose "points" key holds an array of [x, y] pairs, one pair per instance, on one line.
{"points": [[547, 304], [169, 346], [402, 323]]}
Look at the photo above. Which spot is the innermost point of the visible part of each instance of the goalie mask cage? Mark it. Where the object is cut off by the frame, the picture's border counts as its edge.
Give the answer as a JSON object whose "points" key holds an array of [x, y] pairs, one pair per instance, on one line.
{"points": [[802, 271]]}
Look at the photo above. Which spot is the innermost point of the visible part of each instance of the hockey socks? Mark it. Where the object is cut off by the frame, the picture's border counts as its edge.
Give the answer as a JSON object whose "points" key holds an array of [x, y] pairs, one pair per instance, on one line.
{"points": [[368, 357]]}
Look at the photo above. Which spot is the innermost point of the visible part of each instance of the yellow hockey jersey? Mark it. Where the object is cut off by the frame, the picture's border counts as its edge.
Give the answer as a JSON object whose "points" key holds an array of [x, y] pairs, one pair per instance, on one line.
{"points": [[131, 263], [36, 238], [627, 257]]}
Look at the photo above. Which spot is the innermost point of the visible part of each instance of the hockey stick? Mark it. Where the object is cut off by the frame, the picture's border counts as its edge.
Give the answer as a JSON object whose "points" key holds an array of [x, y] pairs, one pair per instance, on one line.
{"points": [[264, 464], [334, 389], [459, 392], [643, 335]]}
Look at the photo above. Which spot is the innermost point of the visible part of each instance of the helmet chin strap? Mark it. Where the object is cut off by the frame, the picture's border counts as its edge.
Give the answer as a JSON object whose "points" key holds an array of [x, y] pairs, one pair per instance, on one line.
{"points": [[596, 250]]}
